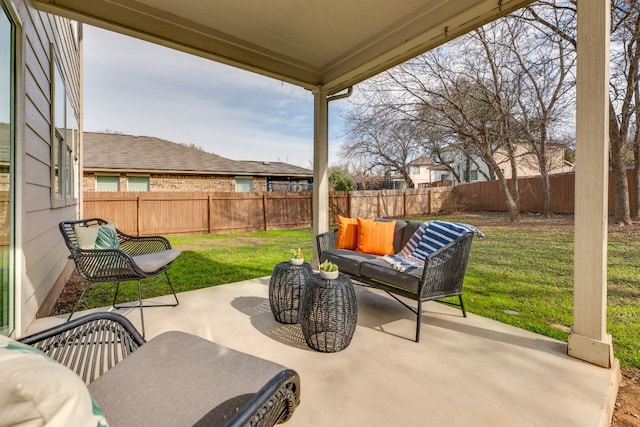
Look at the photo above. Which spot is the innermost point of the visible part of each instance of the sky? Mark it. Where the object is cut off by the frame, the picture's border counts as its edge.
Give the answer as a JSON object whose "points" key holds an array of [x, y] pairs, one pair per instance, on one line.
{"points": [[138, 88]]}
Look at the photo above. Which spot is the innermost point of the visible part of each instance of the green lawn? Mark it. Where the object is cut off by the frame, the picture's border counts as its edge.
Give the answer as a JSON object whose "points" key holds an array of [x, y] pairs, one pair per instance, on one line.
{"points": [[519, 274]]}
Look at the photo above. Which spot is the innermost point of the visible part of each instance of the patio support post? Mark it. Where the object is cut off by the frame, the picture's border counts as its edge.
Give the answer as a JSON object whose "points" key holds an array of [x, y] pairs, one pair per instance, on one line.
{"points": [[320, 166], [588, 339]]}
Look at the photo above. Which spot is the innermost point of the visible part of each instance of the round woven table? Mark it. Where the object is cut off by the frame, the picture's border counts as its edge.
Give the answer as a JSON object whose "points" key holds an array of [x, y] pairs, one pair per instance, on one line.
{"points": [[285, 289], [329, 313]]}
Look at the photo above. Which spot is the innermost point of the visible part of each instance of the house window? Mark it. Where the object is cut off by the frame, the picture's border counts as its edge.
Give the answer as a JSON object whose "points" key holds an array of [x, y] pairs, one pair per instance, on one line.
{"points": [[444, 177], [244, 184], [415, 170], [137, 183], [107, 183], [473, 175], [7, 144], [64, 143]]}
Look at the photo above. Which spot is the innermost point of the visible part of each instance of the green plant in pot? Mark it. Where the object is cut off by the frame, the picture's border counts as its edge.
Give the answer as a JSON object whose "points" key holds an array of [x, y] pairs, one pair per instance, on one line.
{"points": [[296, 257], [328, 270]]}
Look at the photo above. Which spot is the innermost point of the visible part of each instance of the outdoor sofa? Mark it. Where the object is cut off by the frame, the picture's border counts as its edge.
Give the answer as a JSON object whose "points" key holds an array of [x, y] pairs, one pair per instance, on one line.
{"points": [[421, 261], [98, 369]]}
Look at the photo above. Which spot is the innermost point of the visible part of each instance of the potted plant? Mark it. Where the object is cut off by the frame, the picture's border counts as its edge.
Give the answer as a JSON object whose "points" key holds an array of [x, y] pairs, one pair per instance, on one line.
{"points": [[296, 257], [328, 270]]}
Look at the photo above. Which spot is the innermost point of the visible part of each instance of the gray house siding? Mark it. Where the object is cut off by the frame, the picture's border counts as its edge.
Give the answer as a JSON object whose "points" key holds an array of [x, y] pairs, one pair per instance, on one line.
{"points": [[41, 256]]}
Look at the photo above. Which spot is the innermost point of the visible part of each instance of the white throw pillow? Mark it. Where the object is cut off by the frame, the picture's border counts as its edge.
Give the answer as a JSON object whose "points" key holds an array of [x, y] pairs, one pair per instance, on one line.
{"points": [[86, 236], [35, 390]]}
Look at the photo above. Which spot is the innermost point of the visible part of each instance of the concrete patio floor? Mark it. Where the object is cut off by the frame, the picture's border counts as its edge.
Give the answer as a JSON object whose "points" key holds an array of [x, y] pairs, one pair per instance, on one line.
{"points": [[465, 371]]}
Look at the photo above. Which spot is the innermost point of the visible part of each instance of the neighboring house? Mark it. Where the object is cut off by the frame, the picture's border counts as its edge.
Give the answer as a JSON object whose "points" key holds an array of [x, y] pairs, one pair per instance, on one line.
{"points": [[425, 172], [40, 102], [420, 171], [527, 163], [116, 162]]}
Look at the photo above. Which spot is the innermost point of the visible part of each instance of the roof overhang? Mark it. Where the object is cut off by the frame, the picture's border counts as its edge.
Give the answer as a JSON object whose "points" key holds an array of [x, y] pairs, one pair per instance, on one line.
{"points": [[333, 43], [117, 171]]}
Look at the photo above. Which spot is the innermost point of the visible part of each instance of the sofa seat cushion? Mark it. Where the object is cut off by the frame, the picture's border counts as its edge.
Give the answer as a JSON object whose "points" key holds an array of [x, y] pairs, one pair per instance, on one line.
{"points": [[378, 269], [178, 378], [346, 260]]}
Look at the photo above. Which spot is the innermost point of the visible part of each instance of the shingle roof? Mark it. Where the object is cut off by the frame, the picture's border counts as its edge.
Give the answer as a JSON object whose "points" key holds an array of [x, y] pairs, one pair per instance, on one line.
{"points": [[105, 151], [420, 161]]}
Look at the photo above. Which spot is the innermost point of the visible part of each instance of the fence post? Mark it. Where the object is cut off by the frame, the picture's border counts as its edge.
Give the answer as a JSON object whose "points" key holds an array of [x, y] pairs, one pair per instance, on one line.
{"points": [[209, 219], [405, 203], [264, 209], [138, 230]]}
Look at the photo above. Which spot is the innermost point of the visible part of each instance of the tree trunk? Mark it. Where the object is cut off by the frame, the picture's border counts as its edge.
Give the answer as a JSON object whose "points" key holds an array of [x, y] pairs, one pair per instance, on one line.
{"points": [[546, 186], [635, 209], [512, 207], [621, 210]]}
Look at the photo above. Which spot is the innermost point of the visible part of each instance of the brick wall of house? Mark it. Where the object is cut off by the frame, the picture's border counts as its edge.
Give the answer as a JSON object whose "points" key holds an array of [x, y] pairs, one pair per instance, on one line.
{"points": [[181, 183]]}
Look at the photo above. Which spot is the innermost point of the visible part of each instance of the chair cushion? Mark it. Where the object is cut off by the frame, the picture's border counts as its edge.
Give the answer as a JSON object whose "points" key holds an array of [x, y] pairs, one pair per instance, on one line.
{"points": [[155, 260], [375, 237], [347, 233], [107, 237], [176, 379], [35, 390]]}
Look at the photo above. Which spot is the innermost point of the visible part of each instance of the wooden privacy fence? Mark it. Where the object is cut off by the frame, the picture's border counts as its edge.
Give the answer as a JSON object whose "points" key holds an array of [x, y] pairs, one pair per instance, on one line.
{"points": [[486, 196], [149, 213]]}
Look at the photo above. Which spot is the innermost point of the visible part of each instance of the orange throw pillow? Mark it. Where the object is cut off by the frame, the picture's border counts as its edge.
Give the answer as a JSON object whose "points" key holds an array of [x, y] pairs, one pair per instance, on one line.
{"points": [[375, 237], [347, 233]]}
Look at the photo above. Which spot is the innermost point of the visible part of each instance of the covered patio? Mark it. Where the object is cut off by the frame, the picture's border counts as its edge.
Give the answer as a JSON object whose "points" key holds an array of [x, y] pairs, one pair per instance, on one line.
{"points": [[502, 375], [465, 371]]}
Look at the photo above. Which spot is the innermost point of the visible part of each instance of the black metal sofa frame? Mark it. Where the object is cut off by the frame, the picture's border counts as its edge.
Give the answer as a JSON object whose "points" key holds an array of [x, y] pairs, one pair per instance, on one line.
{"points": [[441, 277], [173, 379]]}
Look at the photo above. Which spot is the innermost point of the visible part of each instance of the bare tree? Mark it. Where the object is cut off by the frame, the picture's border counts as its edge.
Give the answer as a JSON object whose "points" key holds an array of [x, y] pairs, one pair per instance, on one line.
{"points": [[623, 126], [460, 91], [378, 139], [544, 71], [623, 102]]}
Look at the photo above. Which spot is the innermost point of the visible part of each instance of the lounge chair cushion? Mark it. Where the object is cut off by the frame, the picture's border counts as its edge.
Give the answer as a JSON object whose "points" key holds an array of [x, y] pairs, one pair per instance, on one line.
{"points": [[155, 260], [35, 390], [176, 378]]}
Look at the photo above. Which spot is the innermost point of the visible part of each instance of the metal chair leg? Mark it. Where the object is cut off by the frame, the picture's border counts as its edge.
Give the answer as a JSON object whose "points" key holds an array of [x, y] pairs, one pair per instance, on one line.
{"points": [[418, 320]]}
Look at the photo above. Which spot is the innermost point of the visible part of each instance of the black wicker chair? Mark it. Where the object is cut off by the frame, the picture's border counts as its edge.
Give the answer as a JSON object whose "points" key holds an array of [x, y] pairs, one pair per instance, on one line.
{"points": [[129, 263], [92, 346]]}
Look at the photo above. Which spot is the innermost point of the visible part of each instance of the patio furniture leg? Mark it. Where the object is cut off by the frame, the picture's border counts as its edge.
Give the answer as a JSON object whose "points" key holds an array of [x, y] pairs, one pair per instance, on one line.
{"points": [[75, 307], [140, 304], [418, 320], [464, 313]]}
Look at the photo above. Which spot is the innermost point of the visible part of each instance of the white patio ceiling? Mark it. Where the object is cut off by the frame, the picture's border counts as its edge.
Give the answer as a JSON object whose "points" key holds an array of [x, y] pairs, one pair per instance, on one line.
{"points": [[328, 43]]}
